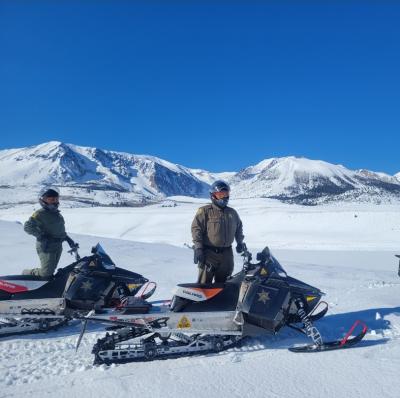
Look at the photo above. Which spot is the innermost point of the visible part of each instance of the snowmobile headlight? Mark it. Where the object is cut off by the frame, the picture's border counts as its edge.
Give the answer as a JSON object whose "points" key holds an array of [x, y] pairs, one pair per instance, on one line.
{"points": [[133, 286], [311, 298]]}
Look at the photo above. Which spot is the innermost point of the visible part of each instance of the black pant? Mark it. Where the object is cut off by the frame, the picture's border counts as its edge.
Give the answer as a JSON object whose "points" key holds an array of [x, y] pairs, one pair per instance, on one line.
{"points": [[217, 266]]}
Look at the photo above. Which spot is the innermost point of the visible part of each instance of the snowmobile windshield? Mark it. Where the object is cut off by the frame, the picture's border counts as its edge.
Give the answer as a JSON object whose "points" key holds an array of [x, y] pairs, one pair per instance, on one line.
{"points": [[105, 258], [276, 267]]}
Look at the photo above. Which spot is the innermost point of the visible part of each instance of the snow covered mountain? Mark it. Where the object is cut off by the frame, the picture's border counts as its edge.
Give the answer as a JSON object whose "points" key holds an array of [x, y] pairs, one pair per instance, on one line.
{"points": [[92, 176], [305, 181], [88, 174]]}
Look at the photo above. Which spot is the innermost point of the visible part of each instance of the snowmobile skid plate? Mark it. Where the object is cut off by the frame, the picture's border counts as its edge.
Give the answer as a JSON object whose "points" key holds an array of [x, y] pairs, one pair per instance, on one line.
{"points": [[346, 342]]}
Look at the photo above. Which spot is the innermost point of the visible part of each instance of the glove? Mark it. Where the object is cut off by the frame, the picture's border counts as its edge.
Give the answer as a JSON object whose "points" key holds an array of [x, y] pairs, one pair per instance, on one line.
{"points": [[241, 247], [198, 256], [71, 243]]}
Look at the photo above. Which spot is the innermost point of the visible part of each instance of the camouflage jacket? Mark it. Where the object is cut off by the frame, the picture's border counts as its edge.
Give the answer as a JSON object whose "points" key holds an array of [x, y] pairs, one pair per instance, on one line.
{"points": [[213, 226], [48, 224]]}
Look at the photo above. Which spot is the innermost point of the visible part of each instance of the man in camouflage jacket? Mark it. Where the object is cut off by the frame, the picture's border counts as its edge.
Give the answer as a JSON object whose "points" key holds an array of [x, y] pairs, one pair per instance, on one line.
{"points": [[48, 227], [214, 228]]}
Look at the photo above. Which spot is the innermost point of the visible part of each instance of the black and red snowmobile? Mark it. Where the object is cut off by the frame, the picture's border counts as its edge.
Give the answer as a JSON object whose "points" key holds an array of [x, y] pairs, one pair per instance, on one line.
{"points": [[260, 299], [30, 303]]}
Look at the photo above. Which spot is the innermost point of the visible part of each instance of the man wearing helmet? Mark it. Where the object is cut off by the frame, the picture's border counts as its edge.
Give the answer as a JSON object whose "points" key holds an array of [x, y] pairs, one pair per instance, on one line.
{"points": [[214, 228], [47, 226]]}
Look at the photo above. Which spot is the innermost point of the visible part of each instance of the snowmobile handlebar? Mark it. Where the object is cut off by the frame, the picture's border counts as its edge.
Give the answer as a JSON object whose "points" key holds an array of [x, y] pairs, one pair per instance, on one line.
{"points": [[74, 251], [264, 258], [247, 257]]}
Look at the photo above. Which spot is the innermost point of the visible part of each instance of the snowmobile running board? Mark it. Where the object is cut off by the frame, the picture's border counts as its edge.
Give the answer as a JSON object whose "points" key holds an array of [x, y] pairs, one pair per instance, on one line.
{"points": [[30, 316], [218, 322], [27, 308]]}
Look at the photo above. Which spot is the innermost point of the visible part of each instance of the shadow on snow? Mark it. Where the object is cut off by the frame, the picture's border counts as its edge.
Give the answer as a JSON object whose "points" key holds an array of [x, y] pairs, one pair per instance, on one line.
{"points": [[332, 327]]}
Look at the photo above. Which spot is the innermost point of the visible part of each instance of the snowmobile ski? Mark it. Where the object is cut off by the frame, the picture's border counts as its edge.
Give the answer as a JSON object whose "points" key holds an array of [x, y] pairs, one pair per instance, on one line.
{"points": [[346, 342]]}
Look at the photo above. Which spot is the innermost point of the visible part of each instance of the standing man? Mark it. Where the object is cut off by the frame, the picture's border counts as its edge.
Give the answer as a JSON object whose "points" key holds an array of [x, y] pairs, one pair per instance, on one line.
{"points": [[214, 228], [47, 226]]}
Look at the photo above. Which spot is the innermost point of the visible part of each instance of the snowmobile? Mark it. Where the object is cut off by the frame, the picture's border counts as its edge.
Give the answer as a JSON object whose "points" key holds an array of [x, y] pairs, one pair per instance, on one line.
{"points": [[261, 299], [30, 303]]}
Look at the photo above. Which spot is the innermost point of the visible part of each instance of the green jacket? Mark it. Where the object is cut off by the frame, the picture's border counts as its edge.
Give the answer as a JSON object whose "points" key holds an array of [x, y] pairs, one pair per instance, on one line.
{"points": [[213, 226], [46, 224]]}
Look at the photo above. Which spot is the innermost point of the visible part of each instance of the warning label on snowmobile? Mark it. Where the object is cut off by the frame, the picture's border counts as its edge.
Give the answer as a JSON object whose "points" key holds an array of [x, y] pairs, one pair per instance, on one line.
{"points": [[184, 323]]}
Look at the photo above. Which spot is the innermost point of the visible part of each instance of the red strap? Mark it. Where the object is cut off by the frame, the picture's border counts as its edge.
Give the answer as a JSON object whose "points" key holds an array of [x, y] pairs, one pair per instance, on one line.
{"points": [[348, 334]]}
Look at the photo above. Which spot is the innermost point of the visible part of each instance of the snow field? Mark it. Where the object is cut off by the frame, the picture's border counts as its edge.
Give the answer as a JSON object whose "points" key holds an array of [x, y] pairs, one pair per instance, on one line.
{"points": [[358, 276], [265, 222]]}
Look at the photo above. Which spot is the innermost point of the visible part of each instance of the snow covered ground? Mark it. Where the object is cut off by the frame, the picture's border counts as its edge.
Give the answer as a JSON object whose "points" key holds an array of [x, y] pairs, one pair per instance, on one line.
{"points": [[345, 251], [328, 227]]}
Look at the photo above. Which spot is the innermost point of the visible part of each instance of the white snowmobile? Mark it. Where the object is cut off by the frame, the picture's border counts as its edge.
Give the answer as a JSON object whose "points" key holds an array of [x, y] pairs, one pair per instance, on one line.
{"points": [[259, 300], [30, 303]]}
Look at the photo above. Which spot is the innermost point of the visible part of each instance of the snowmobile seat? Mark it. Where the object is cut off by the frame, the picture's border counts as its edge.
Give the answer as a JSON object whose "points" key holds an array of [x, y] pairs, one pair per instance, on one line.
{"points": [[203, 285], [39, 278]]}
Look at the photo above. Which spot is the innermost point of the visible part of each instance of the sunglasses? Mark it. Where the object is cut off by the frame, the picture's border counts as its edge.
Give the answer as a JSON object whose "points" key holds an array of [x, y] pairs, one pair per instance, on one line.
{"points": [[221, 194]]}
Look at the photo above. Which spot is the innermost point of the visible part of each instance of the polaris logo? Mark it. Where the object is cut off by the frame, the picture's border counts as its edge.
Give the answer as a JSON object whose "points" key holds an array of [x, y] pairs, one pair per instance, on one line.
{"points": [[191, 293]]}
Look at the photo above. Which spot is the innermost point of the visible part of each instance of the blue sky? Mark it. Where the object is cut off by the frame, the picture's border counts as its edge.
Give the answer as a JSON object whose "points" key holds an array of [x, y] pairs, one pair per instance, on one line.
{"points": [[218, 85]]}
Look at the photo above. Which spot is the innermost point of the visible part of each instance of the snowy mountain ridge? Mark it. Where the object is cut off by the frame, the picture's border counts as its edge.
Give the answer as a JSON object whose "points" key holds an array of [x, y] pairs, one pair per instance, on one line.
{"points": [[92, 176], [305, 181]]}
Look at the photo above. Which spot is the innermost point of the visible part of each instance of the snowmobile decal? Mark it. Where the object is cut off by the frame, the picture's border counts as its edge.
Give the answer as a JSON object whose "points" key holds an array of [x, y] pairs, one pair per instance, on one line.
{"points": [[208, 293], [132, 286], [12, 287], [263, 296], [184, 323], [197, 293]]}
